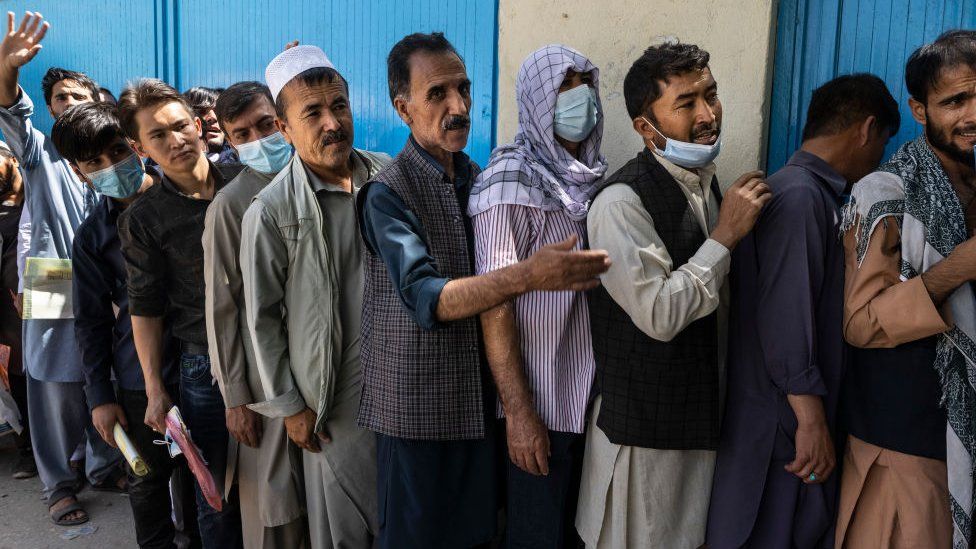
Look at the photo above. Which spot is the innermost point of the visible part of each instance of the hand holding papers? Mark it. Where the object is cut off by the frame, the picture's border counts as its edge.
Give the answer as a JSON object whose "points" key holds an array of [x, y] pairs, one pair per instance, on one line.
{"points": [[129, 452], [176, 432]]}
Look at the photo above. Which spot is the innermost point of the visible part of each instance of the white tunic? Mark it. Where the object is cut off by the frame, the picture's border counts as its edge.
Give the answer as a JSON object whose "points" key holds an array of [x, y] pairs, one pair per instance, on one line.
{"points": [[644, 497]]}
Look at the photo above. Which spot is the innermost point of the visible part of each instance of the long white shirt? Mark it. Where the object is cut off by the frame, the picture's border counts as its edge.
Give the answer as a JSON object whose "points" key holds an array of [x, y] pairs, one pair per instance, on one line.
{"points": [[631, 496]]}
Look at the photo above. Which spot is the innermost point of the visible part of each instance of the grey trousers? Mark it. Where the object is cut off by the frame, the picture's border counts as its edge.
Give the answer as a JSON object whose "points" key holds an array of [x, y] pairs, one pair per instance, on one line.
{"points": [[60, 420], [333, 518], [293, 535]]}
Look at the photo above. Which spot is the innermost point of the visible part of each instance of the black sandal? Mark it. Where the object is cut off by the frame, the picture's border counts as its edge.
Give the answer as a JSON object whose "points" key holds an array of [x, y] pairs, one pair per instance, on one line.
{"points": [[58, 517]]}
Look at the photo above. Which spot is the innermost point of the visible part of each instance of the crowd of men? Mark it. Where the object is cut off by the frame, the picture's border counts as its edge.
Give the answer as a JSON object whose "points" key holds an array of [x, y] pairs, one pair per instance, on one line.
{"points": [[549, 352]]}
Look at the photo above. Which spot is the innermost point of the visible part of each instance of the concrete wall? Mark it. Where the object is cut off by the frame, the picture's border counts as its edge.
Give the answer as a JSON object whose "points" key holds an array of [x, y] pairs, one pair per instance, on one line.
{"points": [[614, 33]]}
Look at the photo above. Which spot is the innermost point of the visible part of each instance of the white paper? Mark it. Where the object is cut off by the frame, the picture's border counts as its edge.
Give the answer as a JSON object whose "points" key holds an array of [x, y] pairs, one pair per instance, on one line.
{"points": [[47, 288]]}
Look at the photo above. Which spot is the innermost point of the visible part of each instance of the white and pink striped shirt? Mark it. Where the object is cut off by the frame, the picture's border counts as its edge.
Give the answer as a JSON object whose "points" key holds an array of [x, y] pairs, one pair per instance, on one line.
{"points": [[553, 327]]}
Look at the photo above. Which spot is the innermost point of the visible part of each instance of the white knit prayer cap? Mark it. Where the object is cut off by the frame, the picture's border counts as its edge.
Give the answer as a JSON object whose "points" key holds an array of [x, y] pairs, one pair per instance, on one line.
{"points": [[292, 62]]}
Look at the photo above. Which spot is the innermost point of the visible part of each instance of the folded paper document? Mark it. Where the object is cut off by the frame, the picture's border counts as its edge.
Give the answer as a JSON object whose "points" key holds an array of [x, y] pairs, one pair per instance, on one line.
{"points": [[47, 288], [129, 452]]}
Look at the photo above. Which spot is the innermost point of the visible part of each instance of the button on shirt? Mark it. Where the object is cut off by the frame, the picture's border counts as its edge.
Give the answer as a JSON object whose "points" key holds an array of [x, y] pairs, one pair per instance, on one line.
{"points": [[103, 326], [161, 237]]}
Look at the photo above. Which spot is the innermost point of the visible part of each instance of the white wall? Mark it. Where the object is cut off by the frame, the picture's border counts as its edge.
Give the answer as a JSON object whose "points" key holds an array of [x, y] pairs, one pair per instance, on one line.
{"points": [[613, 33]]}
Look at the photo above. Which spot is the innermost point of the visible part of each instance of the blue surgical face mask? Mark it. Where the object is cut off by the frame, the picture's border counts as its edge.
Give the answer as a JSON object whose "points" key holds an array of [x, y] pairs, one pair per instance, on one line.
{"points": [[576, 113], [120, 180], [267, 155], [688, 155]]}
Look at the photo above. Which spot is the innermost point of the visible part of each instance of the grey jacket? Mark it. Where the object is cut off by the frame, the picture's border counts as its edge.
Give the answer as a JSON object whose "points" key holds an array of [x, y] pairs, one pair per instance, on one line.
{"points": [[271, 488], [292, 295]]}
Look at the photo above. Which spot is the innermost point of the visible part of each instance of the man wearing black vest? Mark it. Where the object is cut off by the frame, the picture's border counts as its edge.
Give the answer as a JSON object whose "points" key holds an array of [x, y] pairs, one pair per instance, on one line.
{"points": [[658, 320], [426, 387]]}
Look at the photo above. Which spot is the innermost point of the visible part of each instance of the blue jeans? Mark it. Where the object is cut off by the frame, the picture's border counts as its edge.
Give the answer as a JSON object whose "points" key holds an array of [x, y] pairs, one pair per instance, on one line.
{"points": [[202, 407]]}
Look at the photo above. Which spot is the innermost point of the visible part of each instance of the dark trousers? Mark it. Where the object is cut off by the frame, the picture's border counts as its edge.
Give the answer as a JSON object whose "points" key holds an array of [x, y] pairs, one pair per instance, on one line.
{"points": [[542, 509], [149, 495], [202, 408], [18, 390], [435, 494]]}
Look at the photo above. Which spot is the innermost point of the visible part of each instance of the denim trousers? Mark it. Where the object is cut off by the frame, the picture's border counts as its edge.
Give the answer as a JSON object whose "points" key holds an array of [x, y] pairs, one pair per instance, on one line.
{"points": [[202, 408]]}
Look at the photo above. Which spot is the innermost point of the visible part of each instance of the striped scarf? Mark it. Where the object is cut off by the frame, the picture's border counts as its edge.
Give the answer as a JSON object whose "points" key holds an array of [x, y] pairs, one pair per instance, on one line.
{"points": [[916, 191], [535, 170]]}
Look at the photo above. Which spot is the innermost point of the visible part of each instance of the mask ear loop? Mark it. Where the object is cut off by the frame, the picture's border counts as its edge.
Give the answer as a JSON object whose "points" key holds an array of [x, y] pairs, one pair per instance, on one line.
{"points": [[655, 129]]}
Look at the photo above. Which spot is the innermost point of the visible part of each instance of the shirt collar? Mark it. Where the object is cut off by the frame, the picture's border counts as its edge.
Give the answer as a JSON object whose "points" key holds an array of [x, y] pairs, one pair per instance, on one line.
{"points": [[686, 177], [818, 167], [218, 178], [360, 174], [461, 160]]}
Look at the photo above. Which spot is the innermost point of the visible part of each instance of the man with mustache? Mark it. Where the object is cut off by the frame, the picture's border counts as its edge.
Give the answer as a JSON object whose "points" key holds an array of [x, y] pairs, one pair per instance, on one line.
{"points": [[427, 391], [203, 101], [302, 269], [909, 313], [659, 320], [161, 241]]}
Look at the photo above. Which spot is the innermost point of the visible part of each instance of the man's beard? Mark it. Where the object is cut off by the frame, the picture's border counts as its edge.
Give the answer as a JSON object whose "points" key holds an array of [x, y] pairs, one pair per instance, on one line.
{"points": [[942, 142]]}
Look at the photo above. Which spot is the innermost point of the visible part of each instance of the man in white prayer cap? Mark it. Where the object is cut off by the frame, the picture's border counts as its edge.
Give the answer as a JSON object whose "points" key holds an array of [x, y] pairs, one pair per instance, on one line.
{"points": [[302, 268]]}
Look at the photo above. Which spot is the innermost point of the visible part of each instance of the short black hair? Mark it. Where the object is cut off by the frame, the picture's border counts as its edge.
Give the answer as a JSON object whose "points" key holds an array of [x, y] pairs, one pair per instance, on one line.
{"points": [[850, 99], [236, 99], [398, 62], [57, 74], [105, 91], [925, 65], [142, 94], [85, 131], [658, 63], [201, 99], [309, 77]]}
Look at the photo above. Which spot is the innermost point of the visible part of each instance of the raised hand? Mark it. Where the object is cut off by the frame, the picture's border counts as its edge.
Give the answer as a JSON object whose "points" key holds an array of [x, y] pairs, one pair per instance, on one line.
{"points": [[22, 44]]}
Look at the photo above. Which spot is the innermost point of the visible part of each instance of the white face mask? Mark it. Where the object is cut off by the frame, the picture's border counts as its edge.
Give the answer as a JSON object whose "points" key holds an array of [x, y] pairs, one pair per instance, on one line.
{"points": [[688, 155]]}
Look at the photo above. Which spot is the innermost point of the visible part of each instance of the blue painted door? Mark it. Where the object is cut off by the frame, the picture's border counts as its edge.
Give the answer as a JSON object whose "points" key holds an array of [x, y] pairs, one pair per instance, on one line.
{"points": [[817, 40], [219, 42], [112, 41]]}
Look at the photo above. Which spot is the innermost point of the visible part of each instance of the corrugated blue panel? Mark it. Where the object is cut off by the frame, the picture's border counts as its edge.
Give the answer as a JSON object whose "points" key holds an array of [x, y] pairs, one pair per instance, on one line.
{"points": [[817, 40], [225, 41], [110, 40]]}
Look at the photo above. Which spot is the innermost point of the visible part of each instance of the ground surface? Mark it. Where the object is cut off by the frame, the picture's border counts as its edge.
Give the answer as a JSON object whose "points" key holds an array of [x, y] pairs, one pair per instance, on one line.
{"points": [[24, 523]]}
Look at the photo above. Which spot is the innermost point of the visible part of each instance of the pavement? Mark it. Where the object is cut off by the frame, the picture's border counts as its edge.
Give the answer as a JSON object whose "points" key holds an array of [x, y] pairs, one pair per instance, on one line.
{"points": [[24, 522]]}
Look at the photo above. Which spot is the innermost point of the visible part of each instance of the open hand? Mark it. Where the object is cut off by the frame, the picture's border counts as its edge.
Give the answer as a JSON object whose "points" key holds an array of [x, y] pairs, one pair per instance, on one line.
{"points": [[22, 44]]}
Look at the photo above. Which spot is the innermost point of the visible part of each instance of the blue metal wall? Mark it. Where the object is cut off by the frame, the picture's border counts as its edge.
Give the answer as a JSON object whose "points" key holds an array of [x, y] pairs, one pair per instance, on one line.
{"points": [[817, 40], [219, 42]]}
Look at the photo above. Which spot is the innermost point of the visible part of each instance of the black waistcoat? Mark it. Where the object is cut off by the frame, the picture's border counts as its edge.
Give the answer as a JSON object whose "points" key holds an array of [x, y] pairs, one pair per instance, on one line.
{"points": [[657, 394], [891, 399]]}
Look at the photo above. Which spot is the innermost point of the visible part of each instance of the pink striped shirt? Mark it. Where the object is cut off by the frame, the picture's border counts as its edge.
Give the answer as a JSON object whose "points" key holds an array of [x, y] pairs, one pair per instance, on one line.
{"points": [[553, 327]]}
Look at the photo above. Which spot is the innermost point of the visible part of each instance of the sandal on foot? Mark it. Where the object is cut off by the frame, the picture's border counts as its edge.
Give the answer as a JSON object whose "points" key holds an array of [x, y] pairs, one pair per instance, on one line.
{"points": [[59, 516]]}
